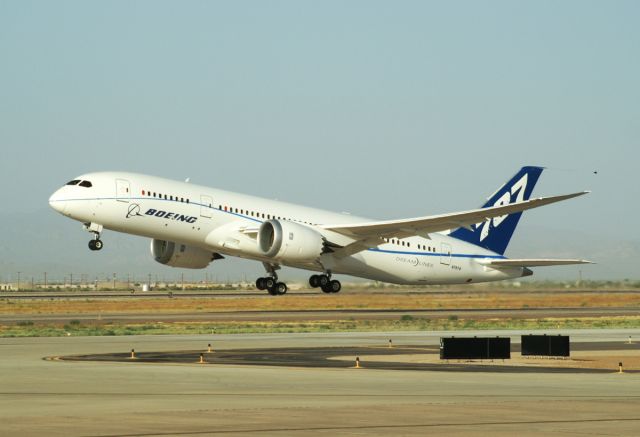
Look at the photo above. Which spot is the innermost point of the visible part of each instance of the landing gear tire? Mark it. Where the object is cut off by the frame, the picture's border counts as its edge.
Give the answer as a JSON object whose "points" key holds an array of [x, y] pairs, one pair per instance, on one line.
{"points": [[280, 288], [261, 284], [314, 281], [95, 244], [269, 283], [323, 281], [332, 287]]}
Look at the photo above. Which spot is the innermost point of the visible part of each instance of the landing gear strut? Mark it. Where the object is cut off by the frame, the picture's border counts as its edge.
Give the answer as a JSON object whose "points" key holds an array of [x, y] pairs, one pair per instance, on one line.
{"points": [[270, 283], [325, 283]]}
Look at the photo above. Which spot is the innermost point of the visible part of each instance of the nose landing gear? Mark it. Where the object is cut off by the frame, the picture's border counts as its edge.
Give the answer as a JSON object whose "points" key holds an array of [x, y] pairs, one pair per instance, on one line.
{"points": [[95, 229]]}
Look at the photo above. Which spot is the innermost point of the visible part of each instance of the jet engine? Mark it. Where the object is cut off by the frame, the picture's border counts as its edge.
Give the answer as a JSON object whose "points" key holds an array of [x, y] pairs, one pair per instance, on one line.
{"points": [[289, 241], [180, 255]]}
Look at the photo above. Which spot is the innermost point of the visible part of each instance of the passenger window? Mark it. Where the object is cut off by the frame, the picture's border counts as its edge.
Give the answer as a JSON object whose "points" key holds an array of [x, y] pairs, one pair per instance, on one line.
{"points": [[74, 182], [85, 184]]}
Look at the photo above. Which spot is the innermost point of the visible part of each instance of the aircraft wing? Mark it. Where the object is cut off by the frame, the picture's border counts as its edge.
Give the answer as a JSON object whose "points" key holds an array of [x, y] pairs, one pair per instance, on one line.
{"points": [[370, 234], [533, 262]]}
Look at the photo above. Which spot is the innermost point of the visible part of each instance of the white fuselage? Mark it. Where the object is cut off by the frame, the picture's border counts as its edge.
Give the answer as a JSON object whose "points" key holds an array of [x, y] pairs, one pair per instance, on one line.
{"points": [[222, 221]]}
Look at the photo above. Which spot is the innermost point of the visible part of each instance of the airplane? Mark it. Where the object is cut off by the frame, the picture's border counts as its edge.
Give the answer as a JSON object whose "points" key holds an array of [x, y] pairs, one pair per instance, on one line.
{"points": [[191, 226]]}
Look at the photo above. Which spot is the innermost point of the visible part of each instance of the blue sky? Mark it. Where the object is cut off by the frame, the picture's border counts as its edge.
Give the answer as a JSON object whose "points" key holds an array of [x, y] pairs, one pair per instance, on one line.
{"points": [[383, 109]]}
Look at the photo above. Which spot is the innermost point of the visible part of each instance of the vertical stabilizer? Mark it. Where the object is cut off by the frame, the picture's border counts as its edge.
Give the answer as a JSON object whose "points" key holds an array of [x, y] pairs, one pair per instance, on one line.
{"points": [[494, 234]]}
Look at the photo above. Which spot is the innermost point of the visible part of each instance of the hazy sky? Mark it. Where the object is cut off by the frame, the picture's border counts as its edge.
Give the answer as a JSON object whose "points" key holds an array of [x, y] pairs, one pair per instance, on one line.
{"points": [[384, 109]]}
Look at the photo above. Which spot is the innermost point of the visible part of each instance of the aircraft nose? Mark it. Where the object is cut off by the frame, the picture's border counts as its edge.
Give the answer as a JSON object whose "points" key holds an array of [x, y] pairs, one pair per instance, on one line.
{"points": [[57, 202]]}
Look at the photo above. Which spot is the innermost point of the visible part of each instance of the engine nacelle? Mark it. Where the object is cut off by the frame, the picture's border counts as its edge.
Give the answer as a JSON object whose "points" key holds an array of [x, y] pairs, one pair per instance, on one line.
{"points": [[180, 255], [284, 240]]}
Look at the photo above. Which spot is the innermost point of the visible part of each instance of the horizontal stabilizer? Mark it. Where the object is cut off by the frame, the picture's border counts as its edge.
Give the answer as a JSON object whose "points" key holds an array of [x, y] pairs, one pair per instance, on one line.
{"points": [[532, 262]]}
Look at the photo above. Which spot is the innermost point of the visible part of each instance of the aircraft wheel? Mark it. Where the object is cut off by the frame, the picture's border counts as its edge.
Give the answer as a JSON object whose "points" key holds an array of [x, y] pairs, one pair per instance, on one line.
{"points": [[92, 244], [314, 281], [323, 281], [335, 286], [272, 291], [261, 284], [326, 288], [281, 288], [269, 283], [98, 244]]}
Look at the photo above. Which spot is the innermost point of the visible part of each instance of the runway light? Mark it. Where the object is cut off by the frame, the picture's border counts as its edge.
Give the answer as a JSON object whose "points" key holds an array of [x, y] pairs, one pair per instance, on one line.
{"points": [[209, 350], [390, 343], [620, 367], [357, 362], [133, 353], [201, 358]]}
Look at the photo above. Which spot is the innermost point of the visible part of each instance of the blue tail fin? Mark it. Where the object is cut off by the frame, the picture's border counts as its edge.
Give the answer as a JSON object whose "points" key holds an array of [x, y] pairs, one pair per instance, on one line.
{"points": [[494, 234]]}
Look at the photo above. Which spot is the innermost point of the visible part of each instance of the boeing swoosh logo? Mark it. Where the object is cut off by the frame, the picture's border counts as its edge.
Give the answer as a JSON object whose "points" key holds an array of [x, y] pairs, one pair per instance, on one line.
{"points": [[134, 211]]}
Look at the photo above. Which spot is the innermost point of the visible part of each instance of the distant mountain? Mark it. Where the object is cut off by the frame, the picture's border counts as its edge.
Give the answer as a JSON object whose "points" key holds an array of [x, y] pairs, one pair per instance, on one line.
{"points": [[615, 259], [44, 241]]}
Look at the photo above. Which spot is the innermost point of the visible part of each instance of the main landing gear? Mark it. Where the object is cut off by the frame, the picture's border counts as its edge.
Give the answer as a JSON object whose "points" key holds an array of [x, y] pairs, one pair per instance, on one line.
{"points": [[270, 283], [325, 283]]}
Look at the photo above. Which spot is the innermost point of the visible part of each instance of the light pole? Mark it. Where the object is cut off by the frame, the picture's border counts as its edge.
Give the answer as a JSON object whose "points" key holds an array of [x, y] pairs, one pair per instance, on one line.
{"points": [[18, 287]]}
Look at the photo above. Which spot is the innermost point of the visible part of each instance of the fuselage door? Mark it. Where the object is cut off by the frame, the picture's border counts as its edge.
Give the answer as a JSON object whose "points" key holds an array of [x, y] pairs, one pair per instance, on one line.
{"points": [[123, 190], [445, 254], [206, 206]]}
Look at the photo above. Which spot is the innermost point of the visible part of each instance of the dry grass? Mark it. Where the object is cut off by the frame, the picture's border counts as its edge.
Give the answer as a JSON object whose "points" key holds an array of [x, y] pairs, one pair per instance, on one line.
{"points": [[343, 301]]}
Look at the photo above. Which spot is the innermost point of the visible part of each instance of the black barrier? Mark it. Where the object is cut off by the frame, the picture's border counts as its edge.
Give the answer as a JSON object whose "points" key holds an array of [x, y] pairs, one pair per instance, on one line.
{"points": [[479, 348], [545, 345]]}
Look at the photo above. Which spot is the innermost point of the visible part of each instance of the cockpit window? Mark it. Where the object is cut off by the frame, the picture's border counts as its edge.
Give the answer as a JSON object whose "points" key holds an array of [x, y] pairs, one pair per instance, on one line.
{"points": [[73, 182], [86, 184]]}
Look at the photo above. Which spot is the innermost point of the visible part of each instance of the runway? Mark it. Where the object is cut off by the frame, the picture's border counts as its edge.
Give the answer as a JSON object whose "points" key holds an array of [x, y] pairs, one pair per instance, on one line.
{"points": [[71, 398], [405, 357]]}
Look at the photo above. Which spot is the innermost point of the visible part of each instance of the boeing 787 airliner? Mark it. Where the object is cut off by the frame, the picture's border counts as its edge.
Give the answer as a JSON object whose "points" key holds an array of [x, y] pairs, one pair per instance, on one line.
{"points": [[191, 225]]}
